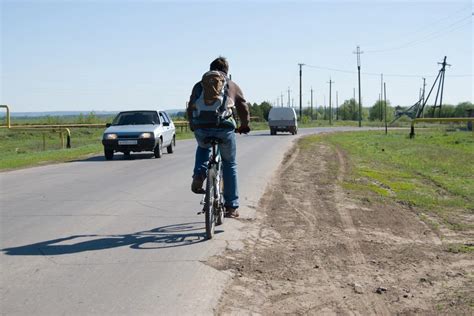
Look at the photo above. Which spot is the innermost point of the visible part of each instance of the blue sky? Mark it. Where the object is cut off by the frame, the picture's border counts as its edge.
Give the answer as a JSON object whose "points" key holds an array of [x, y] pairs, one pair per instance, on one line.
{"points": [[118, 55]]}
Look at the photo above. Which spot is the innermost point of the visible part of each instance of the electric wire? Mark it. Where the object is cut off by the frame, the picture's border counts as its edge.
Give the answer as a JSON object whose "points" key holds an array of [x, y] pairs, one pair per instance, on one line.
{"points": [[378, 74], [436, 22], [433, 35]]}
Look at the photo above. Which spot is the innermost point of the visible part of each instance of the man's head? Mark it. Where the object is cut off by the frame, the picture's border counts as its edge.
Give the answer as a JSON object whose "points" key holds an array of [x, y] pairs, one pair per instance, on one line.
{"points": [[220, 64]]}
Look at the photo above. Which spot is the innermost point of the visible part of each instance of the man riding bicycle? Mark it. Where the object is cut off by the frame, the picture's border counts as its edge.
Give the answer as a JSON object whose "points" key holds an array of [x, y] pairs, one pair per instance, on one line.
{"points": [[210, 112]]}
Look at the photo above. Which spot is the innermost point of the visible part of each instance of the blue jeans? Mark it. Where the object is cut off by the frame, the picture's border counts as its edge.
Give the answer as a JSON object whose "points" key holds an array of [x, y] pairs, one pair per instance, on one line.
{"points": [[229, 164]]}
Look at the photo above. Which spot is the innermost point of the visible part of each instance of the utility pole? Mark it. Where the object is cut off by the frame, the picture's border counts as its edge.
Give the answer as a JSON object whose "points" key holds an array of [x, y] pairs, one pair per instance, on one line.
{"points": [[337, 107], [358, 52], [281, 99], [440, 88], [330, 104], [311, 103], [301, 95]]}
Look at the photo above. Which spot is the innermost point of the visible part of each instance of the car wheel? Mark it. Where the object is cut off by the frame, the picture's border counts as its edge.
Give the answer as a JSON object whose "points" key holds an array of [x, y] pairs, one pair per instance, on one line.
{"points": [[108, 153], [170, 148], [158, 151]]}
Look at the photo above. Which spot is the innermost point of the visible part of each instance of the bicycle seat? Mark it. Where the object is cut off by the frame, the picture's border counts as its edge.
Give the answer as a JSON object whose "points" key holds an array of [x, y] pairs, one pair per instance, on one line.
{"points": [[212, 139]]}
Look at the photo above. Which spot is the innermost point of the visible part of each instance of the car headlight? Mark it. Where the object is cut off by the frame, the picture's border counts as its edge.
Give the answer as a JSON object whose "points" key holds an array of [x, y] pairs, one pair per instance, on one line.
{"points": [[110, 136], [145, 135]]}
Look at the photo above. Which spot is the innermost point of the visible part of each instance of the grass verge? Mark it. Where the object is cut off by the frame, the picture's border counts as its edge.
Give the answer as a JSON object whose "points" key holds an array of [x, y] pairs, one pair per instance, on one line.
{"points": [[433, 173]]}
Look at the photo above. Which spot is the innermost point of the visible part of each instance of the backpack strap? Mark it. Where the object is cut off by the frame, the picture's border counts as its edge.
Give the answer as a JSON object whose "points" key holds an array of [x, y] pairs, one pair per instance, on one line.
{"points": [[224, 99]]}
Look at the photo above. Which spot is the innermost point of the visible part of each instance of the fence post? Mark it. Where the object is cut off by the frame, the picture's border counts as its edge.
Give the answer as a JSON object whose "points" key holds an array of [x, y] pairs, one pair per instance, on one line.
{"points": [[62, 139]]}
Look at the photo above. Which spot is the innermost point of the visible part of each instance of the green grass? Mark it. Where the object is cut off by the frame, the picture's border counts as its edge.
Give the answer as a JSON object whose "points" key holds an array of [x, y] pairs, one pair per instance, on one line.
{"points": [[433, 172], [460, 248], [29, 148]]}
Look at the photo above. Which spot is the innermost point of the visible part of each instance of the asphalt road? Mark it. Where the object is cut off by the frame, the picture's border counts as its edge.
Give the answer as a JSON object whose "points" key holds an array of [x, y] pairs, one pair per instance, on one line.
{"points": [[96, 237]]}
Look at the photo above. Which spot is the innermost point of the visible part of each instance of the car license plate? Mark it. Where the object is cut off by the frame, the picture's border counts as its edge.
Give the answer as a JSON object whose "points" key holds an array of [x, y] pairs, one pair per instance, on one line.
{"points": [[127, 142]]}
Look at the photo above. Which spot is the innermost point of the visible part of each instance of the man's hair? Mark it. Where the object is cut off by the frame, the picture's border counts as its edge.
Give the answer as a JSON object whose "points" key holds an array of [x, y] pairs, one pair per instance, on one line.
{"points": [[220, 64]]}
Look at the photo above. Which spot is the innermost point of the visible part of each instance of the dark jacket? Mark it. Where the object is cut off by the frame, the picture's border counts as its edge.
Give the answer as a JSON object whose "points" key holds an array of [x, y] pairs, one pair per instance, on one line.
{"points": [[234, 92]]}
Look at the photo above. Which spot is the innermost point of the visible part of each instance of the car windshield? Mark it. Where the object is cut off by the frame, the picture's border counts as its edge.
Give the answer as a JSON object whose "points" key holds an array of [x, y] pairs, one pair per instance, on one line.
{"points": [[136, 118]]}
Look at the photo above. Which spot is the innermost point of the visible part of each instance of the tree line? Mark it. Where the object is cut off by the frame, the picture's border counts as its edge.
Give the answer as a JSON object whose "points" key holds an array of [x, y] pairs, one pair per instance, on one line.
{"points": [[349, 111]]}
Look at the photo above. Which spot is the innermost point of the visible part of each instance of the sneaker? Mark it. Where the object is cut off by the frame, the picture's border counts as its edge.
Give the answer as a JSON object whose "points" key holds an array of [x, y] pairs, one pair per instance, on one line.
{"points": [[231, 212], [196, 185]]}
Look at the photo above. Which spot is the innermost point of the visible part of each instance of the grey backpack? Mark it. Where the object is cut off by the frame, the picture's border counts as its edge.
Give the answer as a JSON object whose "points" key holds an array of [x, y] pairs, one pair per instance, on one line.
{"points": [[213, 106]]}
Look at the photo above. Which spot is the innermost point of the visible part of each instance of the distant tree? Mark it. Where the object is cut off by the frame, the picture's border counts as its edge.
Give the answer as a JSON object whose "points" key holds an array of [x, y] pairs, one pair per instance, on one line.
{"points": [[266, 107], [447, 110], [349, 110], [461, 109], [375, 114], [256, 111]]}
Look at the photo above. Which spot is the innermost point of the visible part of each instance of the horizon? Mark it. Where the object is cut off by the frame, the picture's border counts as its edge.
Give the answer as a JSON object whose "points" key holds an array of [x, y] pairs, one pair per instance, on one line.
{"points": [[113, 56]]}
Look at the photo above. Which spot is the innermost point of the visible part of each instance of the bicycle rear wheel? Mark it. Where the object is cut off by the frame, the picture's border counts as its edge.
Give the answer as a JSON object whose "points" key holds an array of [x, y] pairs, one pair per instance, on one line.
{"points": [[209, 205], [220, 204]]}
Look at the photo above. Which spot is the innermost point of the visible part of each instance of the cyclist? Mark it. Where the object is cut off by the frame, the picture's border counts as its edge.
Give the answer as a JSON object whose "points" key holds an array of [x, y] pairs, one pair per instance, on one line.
{"points": [[210, 112]]}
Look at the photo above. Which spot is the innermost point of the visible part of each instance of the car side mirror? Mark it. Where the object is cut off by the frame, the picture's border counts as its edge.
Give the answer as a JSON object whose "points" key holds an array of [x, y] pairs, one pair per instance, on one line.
{"points": [[108, 125], [166, 124]]}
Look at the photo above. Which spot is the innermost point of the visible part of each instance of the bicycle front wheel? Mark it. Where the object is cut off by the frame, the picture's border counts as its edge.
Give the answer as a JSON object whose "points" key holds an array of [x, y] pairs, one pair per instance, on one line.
{"points": [[209, 205]]}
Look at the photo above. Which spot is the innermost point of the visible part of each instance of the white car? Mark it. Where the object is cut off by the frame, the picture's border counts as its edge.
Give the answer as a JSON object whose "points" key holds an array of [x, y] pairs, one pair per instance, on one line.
{"points": [[282, 120], [139, 131]]}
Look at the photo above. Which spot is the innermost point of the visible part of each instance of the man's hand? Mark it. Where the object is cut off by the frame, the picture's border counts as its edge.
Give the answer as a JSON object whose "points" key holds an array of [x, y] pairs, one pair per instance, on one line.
{"points": [[243, 129]]}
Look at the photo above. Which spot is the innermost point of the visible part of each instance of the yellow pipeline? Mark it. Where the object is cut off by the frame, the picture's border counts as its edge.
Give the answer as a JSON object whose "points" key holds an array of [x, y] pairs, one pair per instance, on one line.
{"points": [[58, 126], [8, 114], [441, 120]]}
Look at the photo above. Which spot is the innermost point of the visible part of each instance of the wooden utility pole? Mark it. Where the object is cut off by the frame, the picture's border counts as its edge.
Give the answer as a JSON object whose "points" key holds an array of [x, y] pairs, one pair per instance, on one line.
{"points": [[311, 103], [330, 104], [301, 95], [337, 107], [358, 52]]}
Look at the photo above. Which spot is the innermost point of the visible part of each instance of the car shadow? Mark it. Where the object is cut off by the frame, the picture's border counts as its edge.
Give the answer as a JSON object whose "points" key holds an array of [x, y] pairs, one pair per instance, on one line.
{"points": [[117, 157], [177, 235], [268, 134]]}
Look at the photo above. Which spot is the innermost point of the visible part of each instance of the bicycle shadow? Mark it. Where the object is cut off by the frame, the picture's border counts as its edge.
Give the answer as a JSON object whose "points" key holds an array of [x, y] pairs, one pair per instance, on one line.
{"points": [[177, 235]]}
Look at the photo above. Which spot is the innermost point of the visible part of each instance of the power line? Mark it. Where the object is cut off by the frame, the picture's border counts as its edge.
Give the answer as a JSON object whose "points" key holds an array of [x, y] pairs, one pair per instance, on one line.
{"points": [[430, 25], [378, 74], [428, 37]]}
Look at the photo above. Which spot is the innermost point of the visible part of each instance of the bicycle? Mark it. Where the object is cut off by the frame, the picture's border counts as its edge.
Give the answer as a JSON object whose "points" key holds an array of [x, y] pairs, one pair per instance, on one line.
{"points": [[213, 200]]}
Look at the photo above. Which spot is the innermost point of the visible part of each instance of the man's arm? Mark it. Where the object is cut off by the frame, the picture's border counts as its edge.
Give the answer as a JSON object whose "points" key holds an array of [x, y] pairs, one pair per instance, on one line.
{"points": [[240, 104]]}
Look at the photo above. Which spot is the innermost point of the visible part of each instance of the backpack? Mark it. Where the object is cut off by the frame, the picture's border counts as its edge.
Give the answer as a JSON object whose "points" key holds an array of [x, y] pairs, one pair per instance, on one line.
{"points": [[213, 107]]}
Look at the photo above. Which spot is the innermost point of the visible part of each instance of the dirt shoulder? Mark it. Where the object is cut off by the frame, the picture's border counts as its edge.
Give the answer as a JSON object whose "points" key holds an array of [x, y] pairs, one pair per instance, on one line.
{"points": [[316, 249]]}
